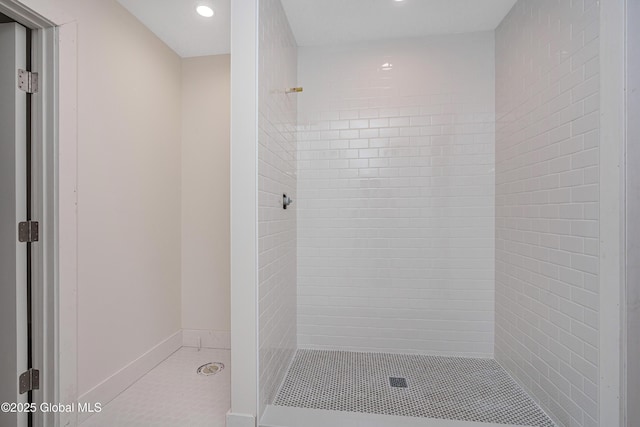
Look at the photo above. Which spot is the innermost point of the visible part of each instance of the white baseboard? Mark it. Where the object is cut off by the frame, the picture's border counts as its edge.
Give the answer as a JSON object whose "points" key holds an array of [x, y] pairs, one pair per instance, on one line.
{"points": [[240, 420], [108, 389], [206, 339]]}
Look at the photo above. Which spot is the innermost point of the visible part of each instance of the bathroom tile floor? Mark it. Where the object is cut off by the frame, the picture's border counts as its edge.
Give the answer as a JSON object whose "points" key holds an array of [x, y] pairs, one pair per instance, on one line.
{"points": [[173, 395], [451, 388]]}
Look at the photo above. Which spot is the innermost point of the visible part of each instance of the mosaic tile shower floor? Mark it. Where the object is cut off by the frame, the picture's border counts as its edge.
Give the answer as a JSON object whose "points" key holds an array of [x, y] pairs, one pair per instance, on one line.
{"points": [[451, 388], [173, 395]]}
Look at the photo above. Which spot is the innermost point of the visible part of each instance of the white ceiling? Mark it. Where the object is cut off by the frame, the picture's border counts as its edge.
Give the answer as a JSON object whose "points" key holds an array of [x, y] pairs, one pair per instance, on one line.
{"points": [[321, 22], [181, 28]]}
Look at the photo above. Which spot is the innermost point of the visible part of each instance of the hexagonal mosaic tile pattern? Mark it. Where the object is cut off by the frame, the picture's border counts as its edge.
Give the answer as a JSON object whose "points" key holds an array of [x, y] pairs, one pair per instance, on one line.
{"points": [[453, 388], [173, 395]]}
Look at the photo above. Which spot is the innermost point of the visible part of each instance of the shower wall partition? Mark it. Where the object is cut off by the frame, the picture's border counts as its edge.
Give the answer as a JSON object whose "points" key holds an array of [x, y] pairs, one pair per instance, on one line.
{"points": [[277, 62]]}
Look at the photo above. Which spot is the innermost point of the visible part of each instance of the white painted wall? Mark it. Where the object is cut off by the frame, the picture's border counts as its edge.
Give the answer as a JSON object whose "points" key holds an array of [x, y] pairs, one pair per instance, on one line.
{"points": [[396, 196], [205, 193], [632, 214], [277, 57], [129, 106], [547, 194]]}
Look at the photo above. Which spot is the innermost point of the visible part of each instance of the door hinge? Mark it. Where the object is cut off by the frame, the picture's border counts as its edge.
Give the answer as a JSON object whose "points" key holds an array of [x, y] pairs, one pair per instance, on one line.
{"points": [[28, 231], [29, 380], [28, 81]]}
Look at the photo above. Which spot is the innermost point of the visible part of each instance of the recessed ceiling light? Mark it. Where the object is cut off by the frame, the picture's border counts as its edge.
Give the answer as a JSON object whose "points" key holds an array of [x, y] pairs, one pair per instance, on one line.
{"points": [[205, 11], [399, 0]]}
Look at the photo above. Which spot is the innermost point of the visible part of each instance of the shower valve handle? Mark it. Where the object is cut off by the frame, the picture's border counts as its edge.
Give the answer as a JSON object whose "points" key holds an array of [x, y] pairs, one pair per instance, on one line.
{"points": [[286, 201]]}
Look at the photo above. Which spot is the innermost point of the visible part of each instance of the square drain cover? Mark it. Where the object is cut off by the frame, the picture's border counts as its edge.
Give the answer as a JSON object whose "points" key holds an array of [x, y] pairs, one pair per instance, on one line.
{"points": [[398, 382]]}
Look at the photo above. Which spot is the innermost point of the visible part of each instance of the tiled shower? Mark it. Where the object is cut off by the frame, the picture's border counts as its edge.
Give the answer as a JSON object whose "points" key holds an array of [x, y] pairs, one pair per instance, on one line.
{"points": [[396, 196], [445, 205]]}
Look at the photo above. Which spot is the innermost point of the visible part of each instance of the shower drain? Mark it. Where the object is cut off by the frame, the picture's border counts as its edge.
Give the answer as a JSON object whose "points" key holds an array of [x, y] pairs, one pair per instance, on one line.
{"points": [[211, 368], [398, 382]]}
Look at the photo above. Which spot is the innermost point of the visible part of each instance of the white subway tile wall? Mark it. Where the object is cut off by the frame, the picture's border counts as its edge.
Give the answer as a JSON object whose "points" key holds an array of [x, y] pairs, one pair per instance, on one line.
{"points": [[396, 190], [276, 175], [547, 81]]}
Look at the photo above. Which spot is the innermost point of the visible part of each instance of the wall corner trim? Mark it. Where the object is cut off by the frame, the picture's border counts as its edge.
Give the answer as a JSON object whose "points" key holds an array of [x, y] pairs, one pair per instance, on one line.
{"points": [[240, 420], [206, 339], [612, 202]]}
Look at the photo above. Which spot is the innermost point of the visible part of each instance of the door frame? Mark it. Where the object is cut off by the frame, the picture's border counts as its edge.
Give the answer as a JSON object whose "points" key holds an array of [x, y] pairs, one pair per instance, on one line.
{"points": [[54, 201], [631, 312], [14, 152]]}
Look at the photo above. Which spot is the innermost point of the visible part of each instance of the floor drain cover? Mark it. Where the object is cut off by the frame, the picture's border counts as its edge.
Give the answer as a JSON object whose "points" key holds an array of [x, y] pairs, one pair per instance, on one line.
{"points": [[210, 368], [398, 382]]}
